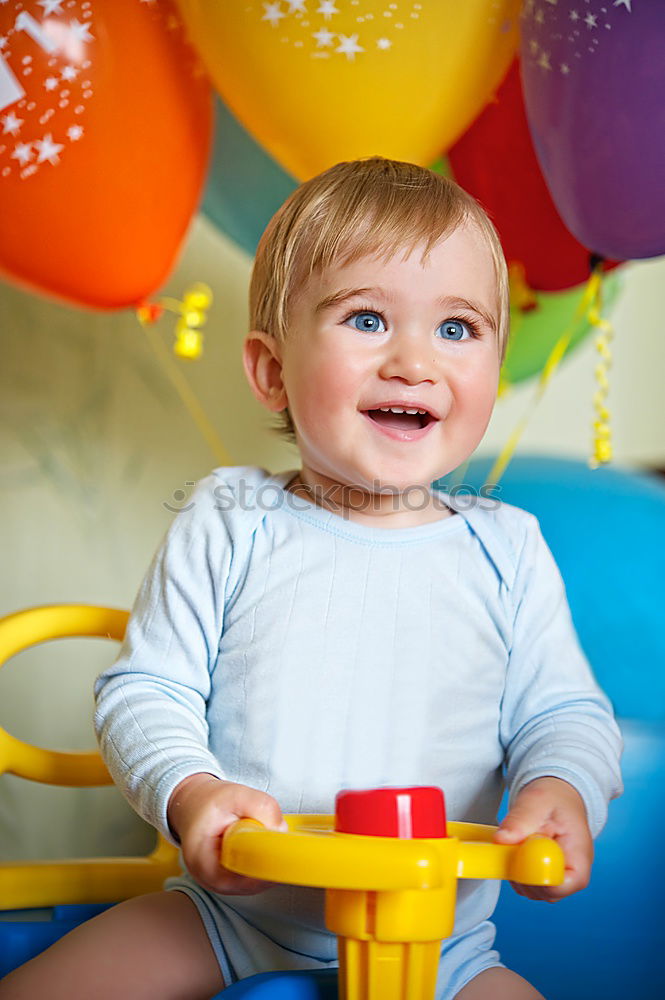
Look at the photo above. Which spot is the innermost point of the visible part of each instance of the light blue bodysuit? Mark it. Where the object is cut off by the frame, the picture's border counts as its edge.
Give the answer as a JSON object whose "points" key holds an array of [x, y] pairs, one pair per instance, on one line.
{"points": [[280, 645]]}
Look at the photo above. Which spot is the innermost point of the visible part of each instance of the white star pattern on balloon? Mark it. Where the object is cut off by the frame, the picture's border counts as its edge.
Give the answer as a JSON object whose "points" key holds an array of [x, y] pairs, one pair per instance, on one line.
{"points": [[58, 32], [81, 32], [580, 43], [22, 152], [322, 43], [48, 150], [323, 37], [50, 6], [327, 8], [273, 13], [348, 46], [11, 124]]}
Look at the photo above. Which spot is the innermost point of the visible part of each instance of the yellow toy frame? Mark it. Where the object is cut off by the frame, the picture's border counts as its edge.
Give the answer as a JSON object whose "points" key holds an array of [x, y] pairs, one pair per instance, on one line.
{"points": [[26, 884]]}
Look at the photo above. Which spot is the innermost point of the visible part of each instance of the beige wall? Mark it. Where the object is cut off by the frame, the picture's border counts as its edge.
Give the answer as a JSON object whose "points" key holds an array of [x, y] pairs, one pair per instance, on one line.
{"points": [[93, 441]]}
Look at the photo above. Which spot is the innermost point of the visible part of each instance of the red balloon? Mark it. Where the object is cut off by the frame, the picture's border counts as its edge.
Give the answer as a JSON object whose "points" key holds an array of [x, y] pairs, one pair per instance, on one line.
{"points": [[495, 161], [105, 130]]}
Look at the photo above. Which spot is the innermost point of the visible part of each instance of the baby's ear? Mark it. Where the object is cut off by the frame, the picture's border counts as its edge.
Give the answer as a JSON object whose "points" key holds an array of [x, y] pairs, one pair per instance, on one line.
{"points": [[262, 361]]}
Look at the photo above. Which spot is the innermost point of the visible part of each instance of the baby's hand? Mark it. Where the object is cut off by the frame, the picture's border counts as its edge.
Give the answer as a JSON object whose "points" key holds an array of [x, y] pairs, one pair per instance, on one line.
{"points": [[200, 810], [554, 808]]}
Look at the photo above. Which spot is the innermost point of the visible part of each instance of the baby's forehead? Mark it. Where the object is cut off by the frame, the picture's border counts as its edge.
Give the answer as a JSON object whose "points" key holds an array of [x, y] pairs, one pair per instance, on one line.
{"points": [[357, 254], [442, 257]]}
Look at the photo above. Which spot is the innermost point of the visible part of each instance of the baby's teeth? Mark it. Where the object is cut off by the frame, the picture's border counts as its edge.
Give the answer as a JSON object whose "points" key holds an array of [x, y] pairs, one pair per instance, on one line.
{"points": [[398, 409]]}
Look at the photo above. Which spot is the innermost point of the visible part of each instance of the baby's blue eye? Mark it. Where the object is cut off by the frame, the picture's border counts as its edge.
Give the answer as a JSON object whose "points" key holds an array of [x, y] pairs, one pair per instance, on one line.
{"points": [[453, 329], [367, 322]]}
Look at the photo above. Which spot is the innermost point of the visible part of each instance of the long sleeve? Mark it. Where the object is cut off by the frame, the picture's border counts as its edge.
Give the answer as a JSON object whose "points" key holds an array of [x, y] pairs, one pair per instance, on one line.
{"points": [[150, 717], [555, 720]]}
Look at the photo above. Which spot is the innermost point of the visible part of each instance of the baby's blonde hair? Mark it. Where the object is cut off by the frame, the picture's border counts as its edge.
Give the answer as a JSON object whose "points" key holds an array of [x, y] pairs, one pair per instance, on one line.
{"points": [[374, 207]]}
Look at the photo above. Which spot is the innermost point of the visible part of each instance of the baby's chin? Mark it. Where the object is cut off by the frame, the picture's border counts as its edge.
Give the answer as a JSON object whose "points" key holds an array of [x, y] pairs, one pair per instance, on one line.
{"points": [[397, 480]]}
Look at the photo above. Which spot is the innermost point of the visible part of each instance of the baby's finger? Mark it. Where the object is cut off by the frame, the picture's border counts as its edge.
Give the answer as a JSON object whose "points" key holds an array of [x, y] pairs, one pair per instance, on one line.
{"points": [[578, 850], [253, 804], [205, 866], [526, 817], [529, 891], [579, 859], [574, 880]]}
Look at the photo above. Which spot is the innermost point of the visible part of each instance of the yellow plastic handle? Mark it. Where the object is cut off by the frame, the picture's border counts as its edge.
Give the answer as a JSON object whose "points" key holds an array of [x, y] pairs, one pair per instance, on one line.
{"points": [[313, 854], [26, 884], [23, 629]]}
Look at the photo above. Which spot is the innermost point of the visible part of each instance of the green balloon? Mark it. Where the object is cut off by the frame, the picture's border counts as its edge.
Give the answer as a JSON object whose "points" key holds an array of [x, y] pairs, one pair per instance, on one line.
{"points": [[534, 333]]}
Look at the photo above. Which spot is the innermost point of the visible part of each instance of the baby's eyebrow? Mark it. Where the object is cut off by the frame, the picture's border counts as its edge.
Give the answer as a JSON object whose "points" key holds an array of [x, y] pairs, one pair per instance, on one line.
{"points": [[453, 302], [446, 301], [350, 293]]}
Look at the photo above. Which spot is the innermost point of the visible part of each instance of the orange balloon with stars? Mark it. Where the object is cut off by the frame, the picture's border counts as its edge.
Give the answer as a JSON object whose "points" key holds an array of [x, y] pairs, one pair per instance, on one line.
{"points": [[105, 130]]}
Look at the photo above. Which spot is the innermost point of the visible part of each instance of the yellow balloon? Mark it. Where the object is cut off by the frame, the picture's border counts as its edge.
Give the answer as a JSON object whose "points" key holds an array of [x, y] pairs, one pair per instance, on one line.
{"points": [[319, 81]]}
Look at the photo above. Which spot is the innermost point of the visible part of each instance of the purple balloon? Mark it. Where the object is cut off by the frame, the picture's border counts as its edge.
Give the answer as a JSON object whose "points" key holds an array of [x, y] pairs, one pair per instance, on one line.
{"points": [[593, 73]]}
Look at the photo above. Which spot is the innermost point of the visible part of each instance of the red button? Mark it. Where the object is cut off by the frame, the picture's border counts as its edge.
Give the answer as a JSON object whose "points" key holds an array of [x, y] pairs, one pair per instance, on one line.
{"points": [[392, 812]]}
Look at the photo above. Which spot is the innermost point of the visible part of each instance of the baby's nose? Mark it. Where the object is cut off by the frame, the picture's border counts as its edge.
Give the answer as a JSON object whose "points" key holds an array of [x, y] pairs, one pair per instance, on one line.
{"points": [[410, 357]]}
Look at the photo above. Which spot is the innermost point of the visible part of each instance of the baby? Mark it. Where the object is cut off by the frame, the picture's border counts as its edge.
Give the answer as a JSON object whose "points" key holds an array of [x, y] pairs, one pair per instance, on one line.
{"points": [[342, 625]]}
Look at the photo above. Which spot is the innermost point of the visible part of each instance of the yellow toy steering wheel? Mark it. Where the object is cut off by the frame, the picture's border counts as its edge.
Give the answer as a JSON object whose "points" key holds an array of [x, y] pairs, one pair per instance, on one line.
{"points": [[390, 898]]}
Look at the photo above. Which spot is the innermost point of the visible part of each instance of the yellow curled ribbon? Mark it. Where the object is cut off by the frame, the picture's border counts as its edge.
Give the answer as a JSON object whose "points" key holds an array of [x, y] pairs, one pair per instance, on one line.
{"points": [[589, 306], [192, 310]]}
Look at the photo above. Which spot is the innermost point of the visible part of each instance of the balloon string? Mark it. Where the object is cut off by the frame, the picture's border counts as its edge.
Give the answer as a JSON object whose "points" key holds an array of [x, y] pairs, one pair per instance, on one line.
{"points": [[186, 393], [602, 436], [591, 293]]}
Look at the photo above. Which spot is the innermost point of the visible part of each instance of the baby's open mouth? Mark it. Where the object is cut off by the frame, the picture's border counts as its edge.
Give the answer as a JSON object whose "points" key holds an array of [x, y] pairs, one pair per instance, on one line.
{"points": [[401, 419]]}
